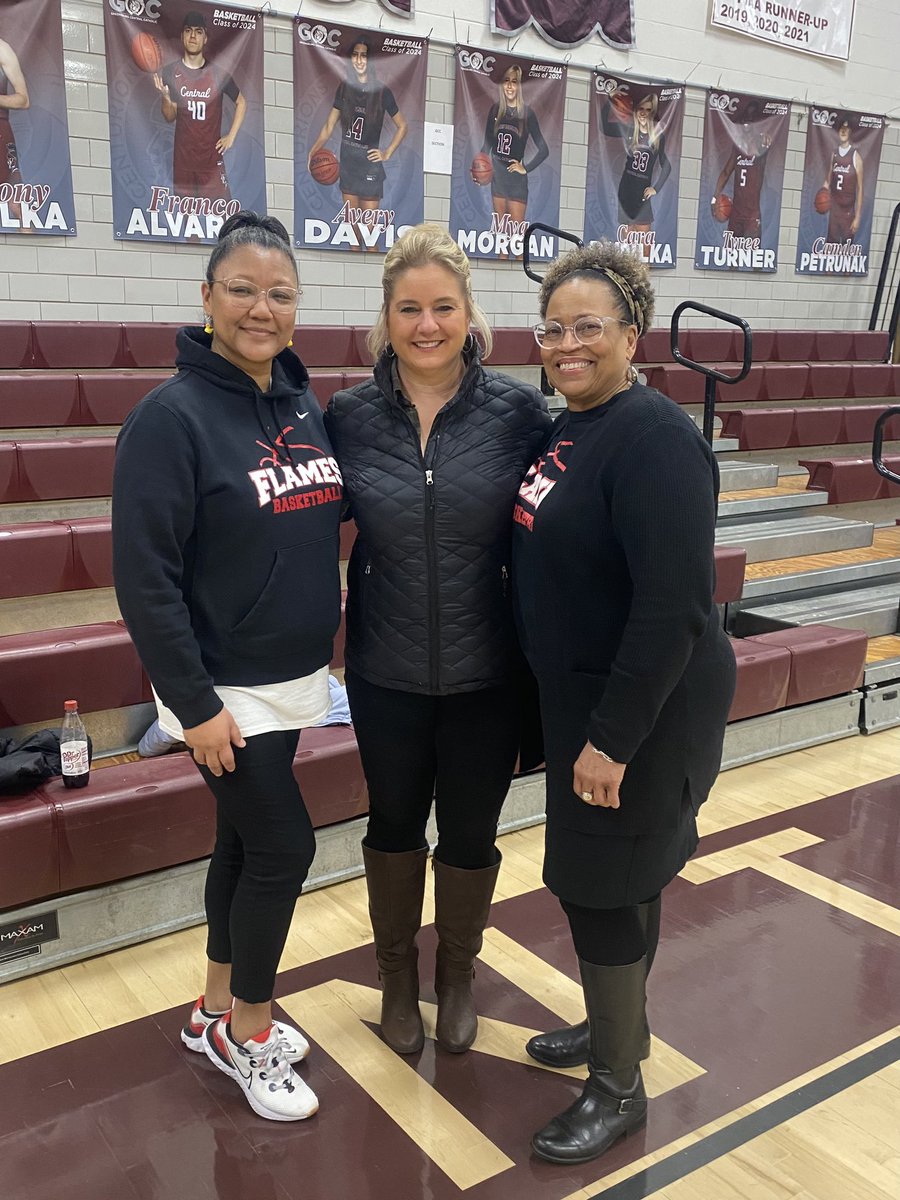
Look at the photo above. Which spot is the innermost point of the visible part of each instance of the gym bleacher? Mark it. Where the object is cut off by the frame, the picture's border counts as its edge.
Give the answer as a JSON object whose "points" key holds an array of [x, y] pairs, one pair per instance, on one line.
{"points": [[809, 593]]}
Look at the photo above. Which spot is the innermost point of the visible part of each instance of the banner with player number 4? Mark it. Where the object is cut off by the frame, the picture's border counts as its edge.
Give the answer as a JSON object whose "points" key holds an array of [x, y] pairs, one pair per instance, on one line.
{"points": [[187, 148], [814, 26]]}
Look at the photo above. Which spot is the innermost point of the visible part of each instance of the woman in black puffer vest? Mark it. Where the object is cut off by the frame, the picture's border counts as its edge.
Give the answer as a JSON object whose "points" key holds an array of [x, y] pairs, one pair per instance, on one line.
{"points": [[432, 450]]}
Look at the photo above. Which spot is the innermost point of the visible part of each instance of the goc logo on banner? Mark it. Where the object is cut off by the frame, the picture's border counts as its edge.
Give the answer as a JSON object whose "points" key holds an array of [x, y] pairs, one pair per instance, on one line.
{"points": [[606, 87], [318, 35], [477, 61], [723, 103], [821, 116], [136, 8]]}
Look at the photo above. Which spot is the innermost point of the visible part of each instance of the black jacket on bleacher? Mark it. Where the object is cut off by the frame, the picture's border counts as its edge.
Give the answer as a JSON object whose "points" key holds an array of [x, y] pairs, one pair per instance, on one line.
{"points": [[225, 519], [429, 605]]}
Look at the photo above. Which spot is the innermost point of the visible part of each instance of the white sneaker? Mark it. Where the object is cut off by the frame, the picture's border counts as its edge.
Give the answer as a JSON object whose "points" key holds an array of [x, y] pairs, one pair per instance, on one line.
{"points": [[295, 1047], [272, 1087]]}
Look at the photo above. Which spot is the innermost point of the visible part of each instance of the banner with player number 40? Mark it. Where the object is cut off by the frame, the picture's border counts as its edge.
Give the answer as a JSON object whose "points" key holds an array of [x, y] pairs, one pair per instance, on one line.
{"points": [[815, 26]]}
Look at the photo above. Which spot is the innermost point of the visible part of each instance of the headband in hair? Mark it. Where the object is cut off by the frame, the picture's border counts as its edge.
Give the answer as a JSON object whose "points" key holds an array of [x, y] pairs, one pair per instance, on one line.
{"points": [[627, 294]]}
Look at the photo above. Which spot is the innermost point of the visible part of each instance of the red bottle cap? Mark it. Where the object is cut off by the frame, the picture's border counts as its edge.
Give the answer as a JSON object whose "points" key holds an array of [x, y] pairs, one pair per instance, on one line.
{"points": [[71, 706]]}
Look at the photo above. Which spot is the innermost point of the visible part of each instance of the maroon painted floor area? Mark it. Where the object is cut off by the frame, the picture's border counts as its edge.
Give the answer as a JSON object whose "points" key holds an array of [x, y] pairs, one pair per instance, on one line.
{"points": [[755, 981]]}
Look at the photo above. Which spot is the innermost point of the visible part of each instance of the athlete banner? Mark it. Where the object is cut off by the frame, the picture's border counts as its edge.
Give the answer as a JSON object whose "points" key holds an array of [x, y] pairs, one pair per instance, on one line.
{"points": [[840, 175], [634, 166], [741, 177], [359, 104], [185, 117], [35, 170], [816, 26], [507, 152], [565, 24]]}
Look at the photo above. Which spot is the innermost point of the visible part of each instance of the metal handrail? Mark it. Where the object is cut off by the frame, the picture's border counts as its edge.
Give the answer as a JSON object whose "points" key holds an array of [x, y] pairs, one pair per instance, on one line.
{"points": [[889, 262], [712, 375], [526, 256], [878, 442]]}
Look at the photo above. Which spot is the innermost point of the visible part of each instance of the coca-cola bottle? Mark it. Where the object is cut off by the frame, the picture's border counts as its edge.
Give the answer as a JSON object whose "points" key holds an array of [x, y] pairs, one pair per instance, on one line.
{"points": [[73, 748]]}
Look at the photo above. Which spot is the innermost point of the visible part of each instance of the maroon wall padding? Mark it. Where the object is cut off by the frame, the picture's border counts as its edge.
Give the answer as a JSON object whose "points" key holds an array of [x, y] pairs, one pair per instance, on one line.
{"points": [[859, 423], [28, 850], [38, 401], [817, 427], [9, 473], [91, 552], [95, 664], [15, 345], [35, 559], [849, 479], [65, 468], [871, 381], [825, 661], [108, 398], [829, 381], [834, 345], [348, 537], [654, 347], [76, 344], [759, 428], [786, 381], [514, 348], [148, 345], [794, 345], [324, 384], [870, 345], [731, 562], [332, 346], [712, 345], [763, 676]]}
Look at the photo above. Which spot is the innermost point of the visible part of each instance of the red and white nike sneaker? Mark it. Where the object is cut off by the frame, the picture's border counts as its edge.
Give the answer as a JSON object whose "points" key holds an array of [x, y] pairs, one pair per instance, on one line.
{"points": [[273, 1088], [294, 1045]]}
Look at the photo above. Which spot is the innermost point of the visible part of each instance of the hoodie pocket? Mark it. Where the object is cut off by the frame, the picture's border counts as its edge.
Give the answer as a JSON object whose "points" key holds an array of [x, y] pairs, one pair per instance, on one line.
{"points": [[299, 607]]}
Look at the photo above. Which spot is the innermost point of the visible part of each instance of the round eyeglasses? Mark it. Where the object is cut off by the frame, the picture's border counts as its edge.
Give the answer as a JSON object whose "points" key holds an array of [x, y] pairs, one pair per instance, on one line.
{"points": [[243, 294], [585, 330]]}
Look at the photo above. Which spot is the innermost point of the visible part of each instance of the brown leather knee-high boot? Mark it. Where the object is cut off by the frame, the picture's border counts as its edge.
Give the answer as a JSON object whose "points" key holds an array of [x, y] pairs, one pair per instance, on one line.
{"points": [[462, 901], [396, 885]]}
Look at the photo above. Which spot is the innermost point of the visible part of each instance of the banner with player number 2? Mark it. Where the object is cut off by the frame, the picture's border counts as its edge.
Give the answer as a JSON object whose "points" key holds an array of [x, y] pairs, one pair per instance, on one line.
{"points": [[187, 148]]}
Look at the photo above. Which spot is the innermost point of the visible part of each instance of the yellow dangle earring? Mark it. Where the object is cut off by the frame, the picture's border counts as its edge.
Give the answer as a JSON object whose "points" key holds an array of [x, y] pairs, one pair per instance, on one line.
{"points": [[207, 328]]}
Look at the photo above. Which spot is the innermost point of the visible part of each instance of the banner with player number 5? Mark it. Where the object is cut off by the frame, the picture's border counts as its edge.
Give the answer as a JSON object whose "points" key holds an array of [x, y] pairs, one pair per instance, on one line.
{"points": [[741, 180], [187, 148], [840, 174], [35, 169]]}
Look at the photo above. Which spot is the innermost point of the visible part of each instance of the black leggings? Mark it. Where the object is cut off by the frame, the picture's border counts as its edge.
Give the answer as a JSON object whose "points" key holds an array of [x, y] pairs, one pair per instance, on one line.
{"points": [[458, 750], [613, 937], [264, 849]]}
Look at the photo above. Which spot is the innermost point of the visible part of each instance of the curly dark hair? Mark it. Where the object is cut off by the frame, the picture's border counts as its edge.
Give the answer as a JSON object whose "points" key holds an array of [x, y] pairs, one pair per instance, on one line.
{"points": [[590, 262]]}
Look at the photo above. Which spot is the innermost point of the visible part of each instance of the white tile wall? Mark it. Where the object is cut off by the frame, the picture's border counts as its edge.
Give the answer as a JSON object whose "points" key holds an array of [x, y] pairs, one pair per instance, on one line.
{"points": [[53, 279]]}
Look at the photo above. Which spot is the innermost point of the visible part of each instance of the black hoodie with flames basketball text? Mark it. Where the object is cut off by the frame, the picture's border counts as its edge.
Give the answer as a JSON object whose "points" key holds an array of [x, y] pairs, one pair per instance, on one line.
{"points": [[226, 514]]}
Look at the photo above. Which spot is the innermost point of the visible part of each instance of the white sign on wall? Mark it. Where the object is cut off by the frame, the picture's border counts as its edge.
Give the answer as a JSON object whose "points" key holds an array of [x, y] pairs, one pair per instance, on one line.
{"points": [[815, 26]]}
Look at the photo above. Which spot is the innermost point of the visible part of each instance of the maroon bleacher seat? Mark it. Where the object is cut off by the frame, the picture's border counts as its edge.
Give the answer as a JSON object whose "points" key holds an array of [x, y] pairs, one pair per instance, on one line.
{"points": [[731, 563], [680, 384], [324, 384], [98, 664], [16, 349], [794, 345], [514, 348], [29, 849], [148, 345], [91, 552], [821, 426], [654, 347], [784, 381], [38, 401], [859, 423], [847, 480], [825, 661], [763, 345], [829, 381], [870, 345], [328, 345], [35, 559], [834, 345], [871, 380], [9, 473], [107, 398], [78, 344], [763, 675], [352, 378], [710, 346], [758, 428], [64, 468]]}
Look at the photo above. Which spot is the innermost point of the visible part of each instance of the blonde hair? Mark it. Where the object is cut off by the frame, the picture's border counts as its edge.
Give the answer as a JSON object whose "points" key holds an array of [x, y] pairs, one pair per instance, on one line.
{"points": [[425, 246], [503, 108], [653, 130], [625, 274]]}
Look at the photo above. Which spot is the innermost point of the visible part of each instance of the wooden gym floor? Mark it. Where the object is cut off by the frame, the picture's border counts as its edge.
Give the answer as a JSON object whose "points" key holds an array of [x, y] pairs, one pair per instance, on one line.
{"points": [[774, 1002]]}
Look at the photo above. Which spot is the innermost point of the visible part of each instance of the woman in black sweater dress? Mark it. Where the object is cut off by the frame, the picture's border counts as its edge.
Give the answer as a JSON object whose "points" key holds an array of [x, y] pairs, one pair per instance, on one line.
{"points": [[614, 577]]}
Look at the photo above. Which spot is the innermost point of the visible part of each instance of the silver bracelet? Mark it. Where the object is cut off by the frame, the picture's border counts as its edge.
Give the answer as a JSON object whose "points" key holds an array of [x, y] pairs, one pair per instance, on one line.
{"points": [[602, 753]]}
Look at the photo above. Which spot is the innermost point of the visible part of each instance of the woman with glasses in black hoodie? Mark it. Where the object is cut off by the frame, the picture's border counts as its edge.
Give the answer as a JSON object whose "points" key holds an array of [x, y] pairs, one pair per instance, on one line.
{"points": [[226, 507]]}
